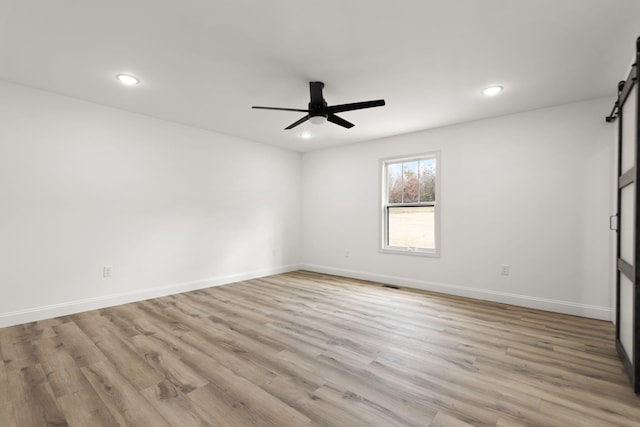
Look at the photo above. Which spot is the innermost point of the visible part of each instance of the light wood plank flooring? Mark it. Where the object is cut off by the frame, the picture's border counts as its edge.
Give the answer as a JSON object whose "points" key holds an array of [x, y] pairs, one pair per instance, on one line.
{"points": [[304, 349]]}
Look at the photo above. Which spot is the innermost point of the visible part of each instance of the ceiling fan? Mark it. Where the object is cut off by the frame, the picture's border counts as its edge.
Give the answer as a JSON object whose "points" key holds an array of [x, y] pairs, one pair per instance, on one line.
{"points": [[319, 112]]}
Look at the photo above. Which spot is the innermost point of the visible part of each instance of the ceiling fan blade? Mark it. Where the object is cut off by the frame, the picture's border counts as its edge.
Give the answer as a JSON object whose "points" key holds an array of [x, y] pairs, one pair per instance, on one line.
{"points": [[355, 106], [281, 109], [339, 121], [315, 89], [302, 120]]}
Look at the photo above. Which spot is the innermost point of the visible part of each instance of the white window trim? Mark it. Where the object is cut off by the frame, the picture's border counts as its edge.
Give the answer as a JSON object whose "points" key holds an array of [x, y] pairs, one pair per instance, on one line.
{"points": [[433, 253]]}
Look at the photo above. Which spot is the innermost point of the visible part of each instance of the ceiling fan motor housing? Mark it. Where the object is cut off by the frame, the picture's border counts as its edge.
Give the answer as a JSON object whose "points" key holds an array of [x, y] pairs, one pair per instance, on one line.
{"points": [[317, 105]]}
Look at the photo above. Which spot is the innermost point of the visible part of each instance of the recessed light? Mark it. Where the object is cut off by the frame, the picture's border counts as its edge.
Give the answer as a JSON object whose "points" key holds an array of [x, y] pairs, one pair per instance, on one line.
{"points": [[305, 134], [492, 90], [127, 79]]}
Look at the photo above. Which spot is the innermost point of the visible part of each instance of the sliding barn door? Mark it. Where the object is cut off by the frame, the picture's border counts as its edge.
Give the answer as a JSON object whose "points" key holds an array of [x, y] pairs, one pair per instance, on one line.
{"points": [[628, 262]]}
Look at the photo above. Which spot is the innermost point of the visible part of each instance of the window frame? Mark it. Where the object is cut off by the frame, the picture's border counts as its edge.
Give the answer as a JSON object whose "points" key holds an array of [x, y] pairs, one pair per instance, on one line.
{"points": [[385, 205]]}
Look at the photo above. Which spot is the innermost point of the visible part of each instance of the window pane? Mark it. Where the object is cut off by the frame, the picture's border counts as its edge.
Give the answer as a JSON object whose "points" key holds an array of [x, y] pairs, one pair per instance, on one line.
{"points": [[394, 179], [428, 180], [412, 227], [411, 187]]}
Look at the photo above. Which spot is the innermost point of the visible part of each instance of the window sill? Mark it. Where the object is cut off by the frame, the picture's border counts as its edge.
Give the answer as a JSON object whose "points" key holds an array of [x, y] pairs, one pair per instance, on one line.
{"points": [[413, 252]]}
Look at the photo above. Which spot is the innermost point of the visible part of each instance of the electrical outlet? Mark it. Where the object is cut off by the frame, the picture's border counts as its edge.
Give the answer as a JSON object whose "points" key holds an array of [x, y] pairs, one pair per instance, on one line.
{"points": [[106, 271], [504, 270], [273, 252], [347, 254]]}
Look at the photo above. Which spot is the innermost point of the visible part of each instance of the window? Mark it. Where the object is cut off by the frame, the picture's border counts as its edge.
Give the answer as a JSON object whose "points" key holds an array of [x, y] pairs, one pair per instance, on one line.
{"points": [[409, 205]]}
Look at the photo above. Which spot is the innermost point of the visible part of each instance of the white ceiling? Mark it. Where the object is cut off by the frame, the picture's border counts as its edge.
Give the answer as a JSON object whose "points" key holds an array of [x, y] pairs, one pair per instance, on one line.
{"points": [[204, 63]]}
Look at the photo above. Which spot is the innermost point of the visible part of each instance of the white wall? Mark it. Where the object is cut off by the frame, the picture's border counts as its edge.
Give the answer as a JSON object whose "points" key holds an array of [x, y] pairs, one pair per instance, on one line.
{"points": [[530, 190], [172, 208], [169, 207]]}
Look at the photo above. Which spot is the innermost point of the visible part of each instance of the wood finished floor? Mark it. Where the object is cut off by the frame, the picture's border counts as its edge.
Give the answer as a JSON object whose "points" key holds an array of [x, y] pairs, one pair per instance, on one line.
{"points": [[304, 349]]}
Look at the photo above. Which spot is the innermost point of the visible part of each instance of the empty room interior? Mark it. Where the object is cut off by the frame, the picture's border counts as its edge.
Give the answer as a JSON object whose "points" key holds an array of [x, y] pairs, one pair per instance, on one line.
{"points": [[339, 213]]}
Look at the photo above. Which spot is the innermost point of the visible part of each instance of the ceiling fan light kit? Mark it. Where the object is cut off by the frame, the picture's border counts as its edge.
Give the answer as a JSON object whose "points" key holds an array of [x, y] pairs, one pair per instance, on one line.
{"points": [[318, 120], [319, 112]]}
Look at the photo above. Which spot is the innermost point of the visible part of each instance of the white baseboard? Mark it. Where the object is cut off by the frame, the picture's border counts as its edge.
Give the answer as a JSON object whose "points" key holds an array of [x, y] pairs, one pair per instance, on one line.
{"points": [[55, 310], [557, 306], [71, 307]]}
